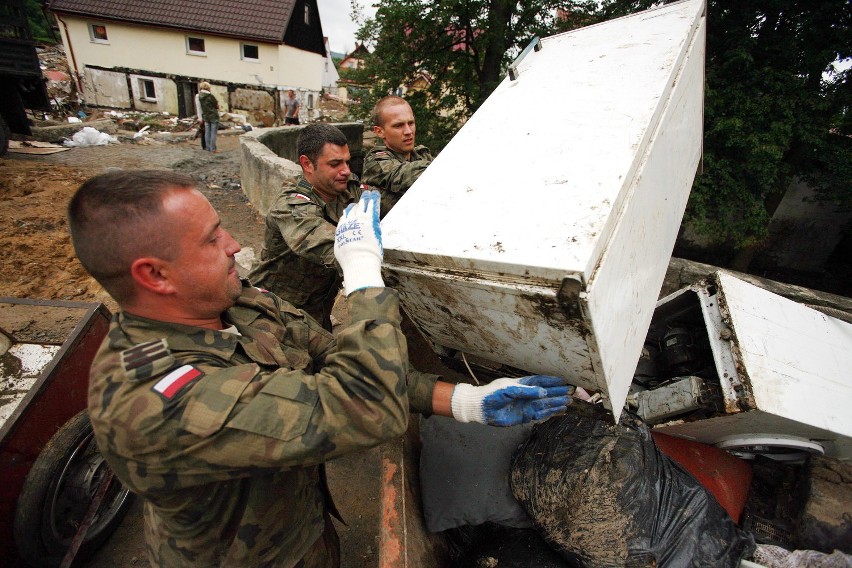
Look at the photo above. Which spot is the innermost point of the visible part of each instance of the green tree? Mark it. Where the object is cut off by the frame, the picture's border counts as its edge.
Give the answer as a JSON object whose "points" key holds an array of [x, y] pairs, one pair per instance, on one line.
{"points": [[461, 47], [39, 27], [773, 114]]}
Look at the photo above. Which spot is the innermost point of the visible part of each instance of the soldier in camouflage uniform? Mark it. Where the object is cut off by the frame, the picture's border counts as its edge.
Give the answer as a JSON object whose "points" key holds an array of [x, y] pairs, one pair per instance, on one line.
{"points": [[395, 163], [297, 259], [218, 402]]}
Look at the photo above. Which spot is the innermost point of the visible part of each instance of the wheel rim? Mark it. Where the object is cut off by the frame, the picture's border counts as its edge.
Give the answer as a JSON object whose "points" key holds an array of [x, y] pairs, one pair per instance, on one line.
{"points": [[73, 491]]}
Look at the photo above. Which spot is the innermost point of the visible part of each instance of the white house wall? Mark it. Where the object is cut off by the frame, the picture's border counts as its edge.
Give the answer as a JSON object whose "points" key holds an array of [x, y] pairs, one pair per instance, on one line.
{"points": [[299, 68], [166, 94], [165, 51]]}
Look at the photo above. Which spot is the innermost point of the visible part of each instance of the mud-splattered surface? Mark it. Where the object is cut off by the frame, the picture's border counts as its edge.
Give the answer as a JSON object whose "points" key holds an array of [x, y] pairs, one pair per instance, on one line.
{"points": [[570, 501]]}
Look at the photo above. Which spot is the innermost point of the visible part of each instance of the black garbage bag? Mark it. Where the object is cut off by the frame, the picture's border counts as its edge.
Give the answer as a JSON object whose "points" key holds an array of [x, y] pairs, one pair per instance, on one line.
{"points": [[603, 495]]}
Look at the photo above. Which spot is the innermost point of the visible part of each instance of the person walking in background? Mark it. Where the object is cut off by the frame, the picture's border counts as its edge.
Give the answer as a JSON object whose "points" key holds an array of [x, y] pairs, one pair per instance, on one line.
{"points": [[210, 115], [291, 105]]}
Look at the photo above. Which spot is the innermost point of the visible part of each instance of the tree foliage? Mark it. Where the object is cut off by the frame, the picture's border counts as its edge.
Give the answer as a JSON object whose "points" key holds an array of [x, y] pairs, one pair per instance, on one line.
{"points": [[773, 111], [461, 48], [39, 26]]}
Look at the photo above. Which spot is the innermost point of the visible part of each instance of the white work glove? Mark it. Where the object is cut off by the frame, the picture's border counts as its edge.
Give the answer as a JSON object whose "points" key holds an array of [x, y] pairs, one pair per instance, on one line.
{"points": [[358, 244], [508, 402]]}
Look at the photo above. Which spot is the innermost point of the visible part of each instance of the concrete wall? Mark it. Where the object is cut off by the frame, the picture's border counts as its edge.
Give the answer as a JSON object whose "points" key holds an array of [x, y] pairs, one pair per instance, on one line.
{"points": [[106, 88], [268, 160], [165, 90], [258, 106]]}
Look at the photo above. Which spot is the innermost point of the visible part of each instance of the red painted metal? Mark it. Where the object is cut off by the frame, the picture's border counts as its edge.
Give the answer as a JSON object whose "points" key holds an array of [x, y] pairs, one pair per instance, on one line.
{"points": [[58, 394], [726, 476]]}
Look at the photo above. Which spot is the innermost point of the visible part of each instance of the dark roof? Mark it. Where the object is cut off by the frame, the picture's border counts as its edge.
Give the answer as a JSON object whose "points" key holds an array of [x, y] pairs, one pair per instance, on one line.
{"points": [[264, 20]]}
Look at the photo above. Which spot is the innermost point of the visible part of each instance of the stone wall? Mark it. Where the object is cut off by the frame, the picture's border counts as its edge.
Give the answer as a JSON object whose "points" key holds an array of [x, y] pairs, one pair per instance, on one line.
{"points": [[269, 162]]}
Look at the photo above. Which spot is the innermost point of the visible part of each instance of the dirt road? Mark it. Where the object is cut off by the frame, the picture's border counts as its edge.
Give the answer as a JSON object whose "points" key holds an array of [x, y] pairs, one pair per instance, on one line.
{"points": [[38, 260]]}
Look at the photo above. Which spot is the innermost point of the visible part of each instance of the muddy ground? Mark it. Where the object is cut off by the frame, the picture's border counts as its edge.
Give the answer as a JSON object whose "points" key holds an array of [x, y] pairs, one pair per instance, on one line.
{"points": [[37, 261]]}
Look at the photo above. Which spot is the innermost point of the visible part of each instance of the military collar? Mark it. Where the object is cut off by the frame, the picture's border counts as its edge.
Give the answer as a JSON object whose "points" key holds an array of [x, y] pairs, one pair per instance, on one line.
{"points": [[415, 152], [251, 304], [348, 195], [179, 337]]}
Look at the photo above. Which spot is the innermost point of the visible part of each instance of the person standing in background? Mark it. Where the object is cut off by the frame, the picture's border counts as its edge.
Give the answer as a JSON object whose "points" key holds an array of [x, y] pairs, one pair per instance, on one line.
{"points": [[210, 115], [291, 105], [200, 118]]}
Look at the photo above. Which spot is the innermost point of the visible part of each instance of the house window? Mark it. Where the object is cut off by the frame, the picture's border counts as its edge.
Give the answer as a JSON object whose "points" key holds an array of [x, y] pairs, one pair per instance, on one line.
{"points": [[307, 15], [195, 46], [147, 91], [98, 33], [310, 101], [250, 52]]}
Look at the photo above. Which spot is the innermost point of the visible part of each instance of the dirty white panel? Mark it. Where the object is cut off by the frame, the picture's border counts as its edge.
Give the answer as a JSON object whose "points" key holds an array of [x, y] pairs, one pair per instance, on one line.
{"points": [[793, 363], [796, 359], [569, 181], [20, 368], [106, 88]]}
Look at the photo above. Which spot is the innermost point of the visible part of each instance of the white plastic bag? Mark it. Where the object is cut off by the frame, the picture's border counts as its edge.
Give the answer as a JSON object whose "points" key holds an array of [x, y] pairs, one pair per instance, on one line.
{"points": [[88, 136]]}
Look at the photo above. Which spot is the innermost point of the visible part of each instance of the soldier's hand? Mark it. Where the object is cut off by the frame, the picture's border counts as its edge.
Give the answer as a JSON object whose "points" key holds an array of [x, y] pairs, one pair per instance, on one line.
{"points": [[358, 244], [507, 402]]}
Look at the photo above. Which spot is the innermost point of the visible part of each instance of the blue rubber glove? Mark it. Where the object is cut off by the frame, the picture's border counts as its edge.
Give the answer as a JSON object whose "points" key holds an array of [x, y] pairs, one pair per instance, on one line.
{"points": [[508, 402], [358, 244]]}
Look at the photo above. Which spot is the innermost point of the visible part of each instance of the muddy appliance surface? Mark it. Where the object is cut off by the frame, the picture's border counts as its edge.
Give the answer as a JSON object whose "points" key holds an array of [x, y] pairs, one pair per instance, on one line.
{"points": [[733, 365], [47, 349], [539, 237]]}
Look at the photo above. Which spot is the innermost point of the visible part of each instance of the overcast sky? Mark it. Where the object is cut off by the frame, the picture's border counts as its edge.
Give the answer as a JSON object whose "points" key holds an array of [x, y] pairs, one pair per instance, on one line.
{"points": [[336, 24]]}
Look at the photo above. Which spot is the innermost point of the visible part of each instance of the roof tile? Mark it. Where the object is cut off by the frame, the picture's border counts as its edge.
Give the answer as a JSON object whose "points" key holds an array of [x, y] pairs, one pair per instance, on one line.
{"points": [[263, 20]]}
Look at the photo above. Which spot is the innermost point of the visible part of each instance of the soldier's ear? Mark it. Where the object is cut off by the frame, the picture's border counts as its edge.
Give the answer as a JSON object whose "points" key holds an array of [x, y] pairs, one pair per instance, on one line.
{"points": [[306, 164], [148, 273], [380, 132]]}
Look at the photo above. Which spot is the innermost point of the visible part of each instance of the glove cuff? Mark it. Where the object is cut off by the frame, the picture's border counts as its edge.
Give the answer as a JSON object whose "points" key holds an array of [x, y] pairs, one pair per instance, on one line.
{"points": [[362, 272], [466, 404]]}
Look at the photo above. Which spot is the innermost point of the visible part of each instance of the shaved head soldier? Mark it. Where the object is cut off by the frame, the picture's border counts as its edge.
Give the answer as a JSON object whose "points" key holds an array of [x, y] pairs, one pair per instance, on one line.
{"points": [[394, 165]]}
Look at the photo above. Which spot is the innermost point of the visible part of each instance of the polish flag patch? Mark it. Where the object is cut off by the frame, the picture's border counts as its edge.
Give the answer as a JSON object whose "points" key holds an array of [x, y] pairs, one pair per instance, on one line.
{"points": [[171, 384], [300, 196]]}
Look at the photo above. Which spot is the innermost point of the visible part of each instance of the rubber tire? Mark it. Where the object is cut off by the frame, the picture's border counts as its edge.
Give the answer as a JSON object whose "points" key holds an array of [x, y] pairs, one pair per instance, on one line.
{"points": [[44, 527]]}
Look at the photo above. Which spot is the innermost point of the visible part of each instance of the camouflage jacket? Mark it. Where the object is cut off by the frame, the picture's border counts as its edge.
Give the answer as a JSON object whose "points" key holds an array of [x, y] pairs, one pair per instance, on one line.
{"points": [[209, 106], [392, 174], [221, 433], [297, 260]]}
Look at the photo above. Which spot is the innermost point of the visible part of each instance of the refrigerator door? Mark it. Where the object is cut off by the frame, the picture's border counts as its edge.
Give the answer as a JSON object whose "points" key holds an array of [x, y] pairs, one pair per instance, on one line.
{"points": [[540, 236]]}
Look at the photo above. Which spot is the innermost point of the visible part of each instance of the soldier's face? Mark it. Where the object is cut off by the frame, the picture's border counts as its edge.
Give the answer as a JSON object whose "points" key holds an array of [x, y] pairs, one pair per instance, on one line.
{"points": [[203, 274], [330, 174], [398, 128]]}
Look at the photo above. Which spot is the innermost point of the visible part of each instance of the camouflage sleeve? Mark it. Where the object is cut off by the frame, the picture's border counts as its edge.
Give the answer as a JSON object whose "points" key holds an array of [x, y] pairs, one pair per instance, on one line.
{"points": [[305, 230], [236, 419], [290, 417], [420, 388], [384, 171]]}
